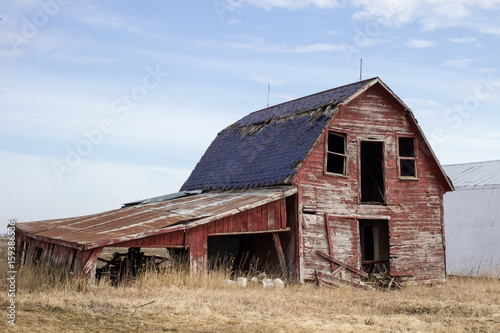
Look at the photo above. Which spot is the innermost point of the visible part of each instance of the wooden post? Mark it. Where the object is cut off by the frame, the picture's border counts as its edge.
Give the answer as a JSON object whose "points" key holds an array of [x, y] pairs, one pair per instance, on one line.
{"points": [[89, 266], [330, 245], [196, 239], [279, 250]]}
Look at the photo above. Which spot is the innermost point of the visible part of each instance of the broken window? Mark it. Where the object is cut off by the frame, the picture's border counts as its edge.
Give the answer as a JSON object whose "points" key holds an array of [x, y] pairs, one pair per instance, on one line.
{"points": [[407, 157], [372, 172], [336, 153]]}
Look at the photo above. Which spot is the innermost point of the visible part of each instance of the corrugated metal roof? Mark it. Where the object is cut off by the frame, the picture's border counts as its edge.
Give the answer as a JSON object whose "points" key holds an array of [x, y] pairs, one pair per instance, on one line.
{"points": [[141, 220], [474, 174], [266, 147]]}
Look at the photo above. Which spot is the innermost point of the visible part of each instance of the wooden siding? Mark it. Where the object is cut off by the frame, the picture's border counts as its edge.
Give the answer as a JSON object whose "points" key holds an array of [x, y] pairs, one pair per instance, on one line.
{"points": [[413, 206], [171, 240], [267, 218]]}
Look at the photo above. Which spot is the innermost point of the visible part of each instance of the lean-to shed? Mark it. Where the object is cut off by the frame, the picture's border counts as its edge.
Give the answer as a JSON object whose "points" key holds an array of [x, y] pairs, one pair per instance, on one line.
{"points": [[472, 219], [330, 185]]}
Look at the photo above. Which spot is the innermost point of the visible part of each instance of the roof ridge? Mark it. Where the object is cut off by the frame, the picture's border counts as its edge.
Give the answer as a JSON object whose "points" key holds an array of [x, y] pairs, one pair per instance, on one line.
{"points": [[469, 163], [318, 93]]}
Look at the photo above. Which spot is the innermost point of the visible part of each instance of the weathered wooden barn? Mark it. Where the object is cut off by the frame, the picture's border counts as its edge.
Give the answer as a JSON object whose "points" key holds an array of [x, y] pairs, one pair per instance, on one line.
{"points": [[327, 185]]}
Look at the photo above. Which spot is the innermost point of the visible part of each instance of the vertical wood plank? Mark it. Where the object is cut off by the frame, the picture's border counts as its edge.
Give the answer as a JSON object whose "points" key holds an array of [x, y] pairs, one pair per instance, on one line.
{"points": [[283, 213], [279, 250], [277, 214], [270, 216], [250, 219], [197, 240], [263, 222], [329, 236], [257, 218]]}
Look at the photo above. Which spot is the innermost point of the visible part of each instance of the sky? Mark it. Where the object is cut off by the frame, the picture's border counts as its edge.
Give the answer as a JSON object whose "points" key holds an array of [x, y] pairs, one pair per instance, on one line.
{"points": [[104, 102]]}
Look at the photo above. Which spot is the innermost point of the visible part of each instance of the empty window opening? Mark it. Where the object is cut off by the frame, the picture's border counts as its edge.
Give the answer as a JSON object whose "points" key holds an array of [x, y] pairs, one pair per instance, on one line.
{"points": [[336, 153], [372, 172], [374, 241], [407, 160], [37, 255]]}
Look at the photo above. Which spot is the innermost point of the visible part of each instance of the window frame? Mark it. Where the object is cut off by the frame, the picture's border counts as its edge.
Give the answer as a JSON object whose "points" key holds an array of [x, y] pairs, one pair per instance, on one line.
{"points": [[413, 158], [328, 152]]}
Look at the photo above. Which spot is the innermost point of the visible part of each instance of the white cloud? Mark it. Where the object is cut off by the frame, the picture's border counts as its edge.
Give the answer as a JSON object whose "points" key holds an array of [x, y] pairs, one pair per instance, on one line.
{"points": [[431, 14], [93, 15], [495, 30], [257, 44], [483, 70], [424, 108], [265, 79], [458, 63], [390, 13], [465, 39], [452, 9], [319, 47], [287, 4], [420, 43]]}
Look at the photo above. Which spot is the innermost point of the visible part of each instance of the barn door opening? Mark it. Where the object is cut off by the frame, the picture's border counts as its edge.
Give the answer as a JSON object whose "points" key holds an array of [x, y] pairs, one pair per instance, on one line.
{"points": [[243, 253], [374, 241], [372, 172]]}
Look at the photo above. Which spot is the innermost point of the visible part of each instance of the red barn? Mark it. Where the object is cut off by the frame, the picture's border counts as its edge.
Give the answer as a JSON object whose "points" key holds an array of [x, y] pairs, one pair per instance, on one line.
{"points": [[327, 186]]}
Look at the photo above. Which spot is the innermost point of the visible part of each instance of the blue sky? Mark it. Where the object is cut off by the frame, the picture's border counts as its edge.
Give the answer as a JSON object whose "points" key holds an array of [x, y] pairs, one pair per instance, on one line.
{"points": [[103, 102]]}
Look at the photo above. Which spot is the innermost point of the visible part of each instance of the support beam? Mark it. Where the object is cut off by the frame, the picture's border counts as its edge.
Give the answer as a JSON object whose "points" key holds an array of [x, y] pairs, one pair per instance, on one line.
{"points": [[341, 263], [279, 250], [349, 262], [90, 265], [330, 245], [336, 281]]}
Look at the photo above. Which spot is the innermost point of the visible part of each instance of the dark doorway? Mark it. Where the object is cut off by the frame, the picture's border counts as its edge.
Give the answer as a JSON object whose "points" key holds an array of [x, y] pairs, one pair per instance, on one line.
{"points": [[243, 253], [374, 241], [372, 172]]}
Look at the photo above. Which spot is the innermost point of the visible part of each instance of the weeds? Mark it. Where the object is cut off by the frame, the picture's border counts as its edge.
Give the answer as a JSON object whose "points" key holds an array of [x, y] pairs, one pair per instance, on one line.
{"points": [[173, 299]]}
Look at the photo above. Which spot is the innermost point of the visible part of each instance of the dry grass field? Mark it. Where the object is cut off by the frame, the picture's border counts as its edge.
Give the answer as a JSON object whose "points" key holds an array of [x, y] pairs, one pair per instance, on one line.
{"points": [[176, 301]]}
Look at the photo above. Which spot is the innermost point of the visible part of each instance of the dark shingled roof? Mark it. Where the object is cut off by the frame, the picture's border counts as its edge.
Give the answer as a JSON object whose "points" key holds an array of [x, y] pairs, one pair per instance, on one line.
{"points": [[266, 147]]}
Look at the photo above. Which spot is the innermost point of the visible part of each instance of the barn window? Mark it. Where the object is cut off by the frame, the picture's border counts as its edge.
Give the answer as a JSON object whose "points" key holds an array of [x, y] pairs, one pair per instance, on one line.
{"points": [[336, 153], [407, 157], [37, 255]]}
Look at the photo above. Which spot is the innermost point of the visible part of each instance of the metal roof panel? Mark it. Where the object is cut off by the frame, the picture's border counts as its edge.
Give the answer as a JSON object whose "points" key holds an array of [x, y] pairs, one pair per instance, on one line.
{"points": [[140, 219]]}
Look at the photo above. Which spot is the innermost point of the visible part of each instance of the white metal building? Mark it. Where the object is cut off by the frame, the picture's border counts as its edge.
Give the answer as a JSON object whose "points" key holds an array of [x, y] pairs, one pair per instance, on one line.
{"points": [[472, 219]]}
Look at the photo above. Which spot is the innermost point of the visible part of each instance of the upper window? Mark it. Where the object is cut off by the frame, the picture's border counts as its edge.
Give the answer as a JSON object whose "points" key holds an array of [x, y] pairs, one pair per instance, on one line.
{"points": [[407, 157], [336, 153]]}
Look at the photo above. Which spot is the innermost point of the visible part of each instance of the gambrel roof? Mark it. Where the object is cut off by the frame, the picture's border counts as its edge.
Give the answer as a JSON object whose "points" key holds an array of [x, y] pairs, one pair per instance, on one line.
{"points": [[267, 147]]}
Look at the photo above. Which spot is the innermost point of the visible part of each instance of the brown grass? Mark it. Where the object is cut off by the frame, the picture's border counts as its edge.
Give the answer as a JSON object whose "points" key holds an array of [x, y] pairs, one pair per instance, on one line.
{"points": [[179, 301]]}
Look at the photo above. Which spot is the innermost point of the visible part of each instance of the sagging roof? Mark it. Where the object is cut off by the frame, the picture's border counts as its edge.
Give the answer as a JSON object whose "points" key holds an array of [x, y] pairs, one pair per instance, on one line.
{"points": [[474, 175], [266, 147], [148, 217]]}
